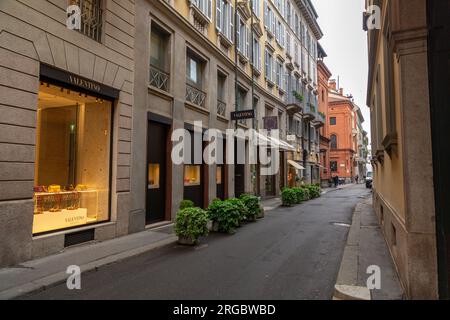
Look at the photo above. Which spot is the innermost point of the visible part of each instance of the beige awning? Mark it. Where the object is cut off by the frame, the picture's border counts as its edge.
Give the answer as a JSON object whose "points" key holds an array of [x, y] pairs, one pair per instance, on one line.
{"points": [[296, 165]]}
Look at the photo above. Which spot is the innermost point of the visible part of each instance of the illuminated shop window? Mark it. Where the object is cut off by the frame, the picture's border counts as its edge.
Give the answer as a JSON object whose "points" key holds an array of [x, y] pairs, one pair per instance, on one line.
{"points": [[73, 138], [218, 175], [191, 175], [153, 176]]}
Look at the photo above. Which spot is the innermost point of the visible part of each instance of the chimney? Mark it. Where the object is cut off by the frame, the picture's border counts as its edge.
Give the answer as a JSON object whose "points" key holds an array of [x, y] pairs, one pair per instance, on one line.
{"points": [[341, 91], [332, 84]]}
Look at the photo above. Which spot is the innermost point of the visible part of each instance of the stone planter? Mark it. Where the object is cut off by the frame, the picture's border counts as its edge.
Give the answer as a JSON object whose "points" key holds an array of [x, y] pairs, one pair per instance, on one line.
{"points": [[214, 226], [251, 219], [186, 241], [261, 213]]}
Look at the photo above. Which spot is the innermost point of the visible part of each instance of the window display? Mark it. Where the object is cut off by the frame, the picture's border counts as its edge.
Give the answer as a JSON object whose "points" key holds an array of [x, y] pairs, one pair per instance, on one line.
{"points": [[219, 175], [73, 140], [153, 176], [191, 175]]}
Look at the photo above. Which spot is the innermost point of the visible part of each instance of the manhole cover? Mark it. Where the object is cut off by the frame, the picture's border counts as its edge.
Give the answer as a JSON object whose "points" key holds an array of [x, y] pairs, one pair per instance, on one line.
{"points": [[341, 224]]}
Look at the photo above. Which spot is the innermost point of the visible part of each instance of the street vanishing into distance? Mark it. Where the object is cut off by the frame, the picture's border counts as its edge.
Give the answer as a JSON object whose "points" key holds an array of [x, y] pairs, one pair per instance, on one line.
{"points": [[293, 253]]}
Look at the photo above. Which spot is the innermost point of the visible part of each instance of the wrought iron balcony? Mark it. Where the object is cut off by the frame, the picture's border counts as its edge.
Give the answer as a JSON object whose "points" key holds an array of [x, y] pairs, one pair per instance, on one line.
{"points": [[195, 96], [221, 107], [159, 79], [309, 111], [294, 102]]}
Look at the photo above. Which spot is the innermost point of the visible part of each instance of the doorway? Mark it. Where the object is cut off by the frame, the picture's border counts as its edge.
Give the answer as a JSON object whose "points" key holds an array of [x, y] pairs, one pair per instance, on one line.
{"points": [[156, 172]]}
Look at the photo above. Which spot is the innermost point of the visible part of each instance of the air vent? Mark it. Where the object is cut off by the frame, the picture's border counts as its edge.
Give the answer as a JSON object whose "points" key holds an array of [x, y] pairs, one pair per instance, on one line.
{"points": [[75, 238]]}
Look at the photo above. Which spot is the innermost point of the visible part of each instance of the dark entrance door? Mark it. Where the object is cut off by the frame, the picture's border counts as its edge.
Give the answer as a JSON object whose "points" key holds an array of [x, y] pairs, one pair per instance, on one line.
{"points": [[194, 175], [156, 172], [220, 172], [239, 173]]}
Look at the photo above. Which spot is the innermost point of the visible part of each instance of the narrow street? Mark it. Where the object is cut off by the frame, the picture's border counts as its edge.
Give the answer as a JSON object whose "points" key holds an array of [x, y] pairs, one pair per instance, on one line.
{"points": [[293, 253]]}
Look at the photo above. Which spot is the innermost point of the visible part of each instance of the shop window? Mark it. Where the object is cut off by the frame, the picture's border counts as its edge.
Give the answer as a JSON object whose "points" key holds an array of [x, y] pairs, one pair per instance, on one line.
{"points": [[192, 175], [73, 138], [332, 121], [218, 175], [153, 176]]}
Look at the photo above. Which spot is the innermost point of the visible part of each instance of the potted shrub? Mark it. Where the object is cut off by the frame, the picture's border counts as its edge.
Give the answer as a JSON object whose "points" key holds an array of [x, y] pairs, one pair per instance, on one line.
{"points": [[253, 206], [288, 197], [191, 223], [314, 190], [239, 206], [186, 204], [225, 215], [299, 195]]}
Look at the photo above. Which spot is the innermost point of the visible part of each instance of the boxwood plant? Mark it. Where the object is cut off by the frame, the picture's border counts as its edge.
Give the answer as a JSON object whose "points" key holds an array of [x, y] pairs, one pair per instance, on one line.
{"points": [[191, 223]]}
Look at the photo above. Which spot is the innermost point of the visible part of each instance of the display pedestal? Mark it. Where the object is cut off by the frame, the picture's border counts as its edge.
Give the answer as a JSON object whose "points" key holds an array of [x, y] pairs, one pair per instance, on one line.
{"points": [[48, 221]]}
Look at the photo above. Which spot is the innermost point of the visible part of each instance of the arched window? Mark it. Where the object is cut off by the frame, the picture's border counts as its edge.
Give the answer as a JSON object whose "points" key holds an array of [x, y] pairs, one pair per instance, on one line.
{"points": [[333, 139]]}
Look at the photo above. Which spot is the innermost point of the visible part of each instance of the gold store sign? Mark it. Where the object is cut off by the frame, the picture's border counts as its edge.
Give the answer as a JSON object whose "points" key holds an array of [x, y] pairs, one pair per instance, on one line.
{"points": [[84, 83]]}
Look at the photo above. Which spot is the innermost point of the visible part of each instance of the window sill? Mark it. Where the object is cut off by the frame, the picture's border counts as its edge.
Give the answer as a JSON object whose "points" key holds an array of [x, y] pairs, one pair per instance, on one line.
{"points": [[161, 93], [222, 118], [196, 107]]}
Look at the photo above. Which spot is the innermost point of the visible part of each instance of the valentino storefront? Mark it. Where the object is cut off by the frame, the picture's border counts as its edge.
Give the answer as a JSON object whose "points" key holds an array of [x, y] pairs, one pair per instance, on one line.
{"points": [[72, 174]]}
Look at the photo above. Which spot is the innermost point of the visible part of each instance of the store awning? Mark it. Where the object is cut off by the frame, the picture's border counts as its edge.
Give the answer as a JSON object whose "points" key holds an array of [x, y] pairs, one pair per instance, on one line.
{"points": [[282, 144], [273, 142], [296, 165]]}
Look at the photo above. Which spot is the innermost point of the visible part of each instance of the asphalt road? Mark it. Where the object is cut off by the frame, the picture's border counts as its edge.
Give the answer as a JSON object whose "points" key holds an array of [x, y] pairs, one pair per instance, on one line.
{"points": [[293, 253]]}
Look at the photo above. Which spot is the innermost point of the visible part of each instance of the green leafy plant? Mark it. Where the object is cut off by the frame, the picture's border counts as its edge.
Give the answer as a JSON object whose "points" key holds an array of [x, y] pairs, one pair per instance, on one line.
{"points": [[322, 114], [301, 195], [191, 223], [253, 205], [186, 204], [288, 197], [297, 96], [314, 190], [226, 214], [240, 206]]}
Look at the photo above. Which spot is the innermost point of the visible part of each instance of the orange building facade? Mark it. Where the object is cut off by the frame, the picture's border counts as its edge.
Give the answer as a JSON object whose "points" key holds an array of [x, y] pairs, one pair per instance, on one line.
{"points": [[324, 75], [341, 126]]}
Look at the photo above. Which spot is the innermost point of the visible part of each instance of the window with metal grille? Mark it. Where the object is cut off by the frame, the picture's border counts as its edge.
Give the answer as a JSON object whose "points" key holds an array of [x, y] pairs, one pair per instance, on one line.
{"points": [[91, 18]]}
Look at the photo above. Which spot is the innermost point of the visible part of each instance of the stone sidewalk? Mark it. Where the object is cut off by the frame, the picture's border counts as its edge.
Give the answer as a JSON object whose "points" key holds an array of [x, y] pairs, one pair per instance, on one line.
{"points": [[366, 247], [41, 273]]}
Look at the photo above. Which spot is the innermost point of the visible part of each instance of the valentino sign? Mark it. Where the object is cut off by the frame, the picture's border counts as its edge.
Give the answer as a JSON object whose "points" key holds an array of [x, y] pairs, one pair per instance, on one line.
{"points": [[72, 80], [84, 83]]}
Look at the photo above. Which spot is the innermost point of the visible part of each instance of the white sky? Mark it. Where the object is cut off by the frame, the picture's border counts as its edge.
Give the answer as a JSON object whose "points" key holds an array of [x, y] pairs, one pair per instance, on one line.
{"points": [[345, 43]]}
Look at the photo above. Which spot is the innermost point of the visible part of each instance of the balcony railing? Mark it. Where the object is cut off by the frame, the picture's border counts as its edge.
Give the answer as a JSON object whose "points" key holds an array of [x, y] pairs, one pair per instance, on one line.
{"points": [[309, 111], [159, 79], [221, 107], [195, 96]]}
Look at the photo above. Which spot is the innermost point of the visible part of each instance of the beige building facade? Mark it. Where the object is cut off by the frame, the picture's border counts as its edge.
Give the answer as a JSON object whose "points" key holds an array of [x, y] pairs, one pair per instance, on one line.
{"points": [[66, 100], [91, 92], [398, 97]]}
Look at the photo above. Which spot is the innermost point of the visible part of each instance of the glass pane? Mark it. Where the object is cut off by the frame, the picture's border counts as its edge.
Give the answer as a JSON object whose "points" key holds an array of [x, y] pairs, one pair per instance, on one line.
{"points": [[191, 175], [153, 176], [219, 174], [72, 159]]}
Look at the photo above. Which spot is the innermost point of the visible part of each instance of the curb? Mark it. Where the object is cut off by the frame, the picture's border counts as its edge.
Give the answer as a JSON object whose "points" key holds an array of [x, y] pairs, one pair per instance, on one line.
{"points": [[346, 287], [52, 280]]}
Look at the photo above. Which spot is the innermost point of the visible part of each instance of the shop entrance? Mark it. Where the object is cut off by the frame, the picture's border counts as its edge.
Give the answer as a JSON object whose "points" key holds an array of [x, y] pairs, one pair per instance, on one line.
{"points": [[239, 173], [195, 173], [156, 172]]}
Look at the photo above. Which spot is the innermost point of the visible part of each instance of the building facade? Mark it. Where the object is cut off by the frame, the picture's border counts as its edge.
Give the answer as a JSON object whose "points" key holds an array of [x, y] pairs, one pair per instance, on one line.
{"points": [[89, 114], [66, 100], [324, 75], [399, 101], [342, 127]]}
